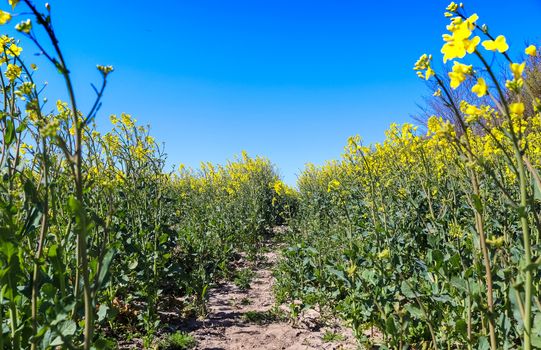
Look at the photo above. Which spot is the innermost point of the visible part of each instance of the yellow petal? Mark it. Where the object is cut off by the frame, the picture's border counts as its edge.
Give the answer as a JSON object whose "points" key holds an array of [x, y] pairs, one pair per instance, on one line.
{"points": [[480, 89], [531, 50], [429, 73], [5, 17], [517, 69], [517, 108], [471, 45], [500, 44], [489, 45]]}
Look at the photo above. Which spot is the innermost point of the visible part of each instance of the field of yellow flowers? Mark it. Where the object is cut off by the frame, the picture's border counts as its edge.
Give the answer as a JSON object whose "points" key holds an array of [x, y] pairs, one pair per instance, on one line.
{"points": [[95, 234], [430, 238]]}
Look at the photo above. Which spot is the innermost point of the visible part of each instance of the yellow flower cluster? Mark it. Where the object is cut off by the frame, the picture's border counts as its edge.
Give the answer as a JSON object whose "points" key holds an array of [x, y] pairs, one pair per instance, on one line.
{"points": [[230, 179], [459, 42]]}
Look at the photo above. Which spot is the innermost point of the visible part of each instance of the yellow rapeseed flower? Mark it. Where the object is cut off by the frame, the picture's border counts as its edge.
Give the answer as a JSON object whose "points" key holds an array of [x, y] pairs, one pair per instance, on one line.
{"points": [[459, 74], [384, 254], [423, 63], [455, 231], [433, 124], [472, 112], [351, 270], [429, 73], [120, 177], [127, 120], [500, 44], [13, 72], [113, 118], [452, 7], [14, 50], [458, 43], [333, 185], [480, 89], [278, 187], [531, 50], [517, 108], [496, 242], [457, 47], [517, 69], [5, 17]]}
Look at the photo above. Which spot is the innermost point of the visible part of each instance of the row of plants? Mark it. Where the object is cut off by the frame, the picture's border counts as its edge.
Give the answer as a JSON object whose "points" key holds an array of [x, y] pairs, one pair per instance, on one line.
{"points": [[430, 239], [97, 237]]}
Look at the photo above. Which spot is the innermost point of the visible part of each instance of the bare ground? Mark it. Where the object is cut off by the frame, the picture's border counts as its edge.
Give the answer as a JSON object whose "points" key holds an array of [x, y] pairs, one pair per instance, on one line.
{"points": [[246, 319]]}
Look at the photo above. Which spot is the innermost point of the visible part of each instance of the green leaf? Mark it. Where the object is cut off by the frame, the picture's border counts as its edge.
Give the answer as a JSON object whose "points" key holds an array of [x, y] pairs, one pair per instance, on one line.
{"points": [[105, 264], [102, 312], [67, 328], [48, 290], [10, 132], [57, 341], [74, 205], [531, 267], [390, 326], [461, 327], [536, 329], [459, 283], [337, 273], [406, 291], [163, 238], [103, 344], [536, 180], [477, 203], [483, 343], [536, 341], [204, 292], [415, 312]]}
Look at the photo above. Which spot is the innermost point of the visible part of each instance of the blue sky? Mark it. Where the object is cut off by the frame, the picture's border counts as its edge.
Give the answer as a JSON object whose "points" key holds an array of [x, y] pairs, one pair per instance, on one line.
{"points": [[287, 79]]}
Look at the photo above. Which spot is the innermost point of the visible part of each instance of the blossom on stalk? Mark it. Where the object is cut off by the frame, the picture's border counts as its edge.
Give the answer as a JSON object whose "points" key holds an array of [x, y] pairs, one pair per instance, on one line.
{"points": [[499, 44], [459, 73], [452, 7], [480, 89], [516, 108], [517, 69], [14, 50], [458, 43], [13, 72], [531, 50], [5, 17], [423, 64]]}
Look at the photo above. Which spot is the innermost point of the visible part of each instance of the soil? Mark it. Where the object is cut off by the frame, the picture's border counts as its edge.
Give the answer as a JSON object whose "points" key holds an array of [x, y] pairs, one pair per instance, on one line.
{"points": [[245, 319]]}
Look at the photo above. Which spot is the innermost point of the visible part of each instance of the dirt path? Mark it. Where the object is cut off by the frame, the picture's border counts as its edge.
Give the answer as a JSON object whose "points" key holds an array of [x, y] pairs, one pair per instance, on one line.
{"points": [[243, 319]]}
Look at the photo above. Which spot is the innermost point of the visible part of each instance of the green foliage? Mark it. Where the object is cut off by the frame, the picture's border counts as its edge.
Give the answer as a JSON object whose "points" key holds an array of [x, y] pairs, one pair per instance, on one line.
{"points": [[331, 336], [177, 341], [263, 317], [244, 278], [96, 235], [432, 239]]}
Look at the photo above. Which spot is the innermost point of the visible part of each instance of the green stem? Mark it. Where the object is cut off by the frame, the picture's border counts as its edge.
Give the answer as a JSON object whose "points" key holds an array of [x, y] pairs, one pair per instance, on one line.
{"points": [[527, 251], [13, 319], [1, 318]]}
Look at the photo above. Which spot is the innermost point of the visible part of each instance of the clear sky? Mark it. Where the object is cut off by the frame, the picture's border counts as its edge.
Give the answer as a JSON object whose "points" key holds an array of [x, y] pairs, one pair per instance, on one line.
{"points": [[287, 79]]}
